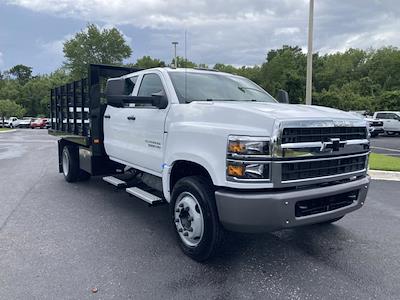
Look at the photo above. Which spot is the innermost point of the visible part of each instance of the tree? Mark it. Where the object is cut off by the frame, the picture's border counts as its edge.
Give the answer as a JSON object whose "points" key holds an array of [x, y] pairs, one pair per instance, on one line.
{"points": [[184, 63], [147, 62], [22, 73], [106, 46], [9, 108]]}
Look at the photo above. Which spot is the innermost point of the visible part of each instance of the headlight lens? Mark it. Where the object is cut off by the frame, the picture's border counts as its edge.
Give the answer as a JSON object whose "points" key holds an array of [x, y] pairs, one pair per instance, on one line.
{"points": [[247, 158], [248, 146], [247, 170]]}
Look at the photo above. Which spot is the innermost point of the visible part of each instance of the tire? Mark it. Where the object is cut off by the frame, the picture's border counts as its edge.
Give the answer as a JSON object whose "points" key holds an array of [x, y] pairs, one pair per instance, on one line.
{"points": [[194, 213], [330, 221], [70, 165], [389, 132]]}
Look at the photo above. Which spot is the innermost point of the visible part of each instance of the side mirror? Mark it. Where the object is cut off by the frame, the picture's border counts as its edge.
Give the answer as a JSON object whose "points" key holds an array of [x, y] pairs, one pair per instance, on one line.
{"points": [[160, 100], [283, 97], [116, 94]]}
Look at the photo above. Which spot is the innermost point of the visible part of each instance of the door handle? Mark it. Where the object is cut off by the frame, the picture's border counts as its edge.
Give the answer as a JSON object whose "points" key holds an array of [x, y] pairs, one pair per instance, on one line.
{"points": [[132, 118], [107, 116]]}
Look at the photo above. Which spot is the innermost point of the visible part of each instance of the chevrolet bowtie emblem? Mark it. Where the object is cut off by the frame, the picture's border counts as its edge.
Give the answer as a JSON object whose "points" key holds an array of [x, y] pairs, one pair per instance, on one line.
{"points": [[334, 144]]}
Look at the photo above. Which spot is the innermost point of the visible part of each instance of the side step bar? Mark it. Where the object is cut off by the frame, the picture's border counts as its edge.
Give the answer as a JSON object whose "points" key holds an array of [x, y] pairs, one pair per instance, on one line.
{"points": [[115, 181], [145, 196]]}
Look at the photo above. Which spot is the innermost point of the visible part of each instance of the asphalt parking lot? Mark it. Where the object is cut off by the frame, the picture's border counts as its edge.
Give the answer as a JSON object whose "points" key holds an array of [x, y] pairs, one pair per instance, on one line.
{"points": [[60, 240], [386, 144]]}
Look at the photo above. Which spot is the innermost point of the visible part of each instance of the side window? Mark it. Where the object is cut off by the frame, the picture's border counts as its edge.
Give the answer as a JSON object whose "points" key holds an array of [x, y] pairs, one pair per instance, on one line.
{"points": [[381, 116], [130, 84], [151, 84]]}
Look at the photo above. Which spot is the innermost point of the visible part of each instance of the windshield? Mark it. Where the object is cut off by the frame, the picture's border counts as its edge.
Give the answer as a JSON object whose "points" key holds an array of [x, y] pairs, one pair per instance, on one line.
{"points": [[196, 86]]}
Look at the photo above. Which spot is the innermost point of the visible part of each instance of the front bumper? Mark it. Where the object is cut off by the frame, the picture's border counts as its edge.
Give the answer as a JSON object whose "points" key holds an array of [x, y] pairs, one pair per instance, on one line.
{"points": [[247, 211]]}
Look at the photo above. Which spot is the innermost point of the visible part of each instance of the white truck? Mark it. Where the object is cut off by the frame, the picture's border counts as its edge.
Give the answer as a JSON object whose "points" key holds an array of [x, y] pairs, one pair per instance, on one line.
{"points": [[215, 147], [391, 121]]}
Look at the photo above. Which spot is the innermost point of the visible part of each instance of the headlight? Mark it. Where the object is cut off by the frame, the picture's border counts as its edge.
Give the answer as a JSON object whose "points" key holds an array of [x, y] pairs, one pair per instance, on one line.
{"points": [[247, 170], [247, 158], [247, 146]]}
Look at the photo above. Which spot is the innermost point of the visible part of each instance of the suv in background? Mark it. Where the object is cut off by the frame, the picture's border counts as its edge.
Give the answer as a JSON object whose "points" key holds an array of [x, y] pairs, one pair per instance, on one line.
{"points": [[391, 121]]}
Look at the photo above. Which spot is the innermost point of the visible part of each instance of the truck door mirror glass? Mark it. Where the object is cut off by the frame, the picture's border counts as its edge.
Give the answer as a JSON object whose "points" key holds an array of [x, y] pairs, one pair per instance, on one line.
{"points": [[282, 97]]}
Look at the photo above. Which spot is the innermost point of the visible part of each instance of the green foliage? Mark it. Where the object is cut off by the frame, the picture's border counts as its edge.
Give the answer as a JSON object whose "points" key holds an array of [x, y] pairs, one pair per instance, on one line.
{"points": [[184, 63], [147, 62], [9, 108], [106, 46], [389, 100], [22, 73]]}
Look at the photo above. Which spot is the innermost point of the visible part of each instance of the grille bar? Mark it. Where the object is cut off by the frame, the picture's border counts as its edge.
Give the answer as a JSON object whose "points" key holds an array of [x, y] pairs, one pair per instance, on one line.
{"points": [[320, 168], [322, 134]]}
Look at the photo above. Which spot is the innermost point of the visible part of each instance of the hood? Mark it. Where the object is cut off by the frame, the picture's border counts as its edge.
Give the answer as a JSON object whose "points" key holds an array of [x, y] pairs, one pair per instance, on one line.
{"points": [[280, 111]]}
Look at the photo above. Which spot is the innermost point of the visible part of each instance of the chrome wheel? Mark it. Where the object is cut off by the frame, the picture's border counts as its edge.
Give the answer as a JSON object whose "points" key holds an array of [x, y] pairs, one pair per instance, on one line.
{"points": [[189, 220], [65, 162]]}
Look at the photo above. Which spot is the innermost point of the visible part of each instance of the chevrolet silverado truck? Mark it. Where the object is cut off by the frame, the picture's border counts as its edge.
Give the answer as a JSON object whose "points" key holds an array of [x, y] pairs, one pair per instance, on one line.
{"points": [[216, 147]]}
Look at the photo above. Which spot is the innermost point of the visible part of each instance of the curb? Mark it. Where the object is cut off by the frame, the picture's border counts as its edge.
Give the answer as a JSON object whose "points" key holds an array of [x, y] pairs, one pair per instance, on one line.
{"points": [[12, 130], [384, 175]]}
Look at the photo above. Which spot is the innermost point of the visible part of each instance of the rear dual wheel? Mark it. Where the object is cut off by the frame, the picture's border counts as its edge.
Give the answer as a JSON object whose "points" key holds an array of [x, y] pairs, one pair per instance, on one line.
{"points": [[70, 164]]}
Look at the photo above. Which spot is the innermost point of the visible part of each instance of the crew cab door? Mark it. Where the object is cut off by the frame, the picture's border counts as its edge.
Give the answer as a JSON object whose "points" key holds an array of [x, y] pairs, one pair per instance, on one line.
{"points": [[137, 131]]}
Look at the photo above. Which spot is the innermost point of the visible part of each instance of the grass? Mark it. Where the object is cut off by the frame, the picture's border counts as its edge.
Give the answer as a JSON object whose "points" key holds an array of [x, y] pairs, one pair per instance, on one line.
{"points": [[4, 129], [384, 162]]}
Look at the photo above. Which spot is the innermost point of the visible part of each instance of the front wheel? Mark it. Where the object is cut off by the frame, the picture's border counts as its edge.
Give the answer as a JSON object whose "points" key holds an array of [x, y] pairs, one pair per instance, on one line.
{"points": [[194, 214]]}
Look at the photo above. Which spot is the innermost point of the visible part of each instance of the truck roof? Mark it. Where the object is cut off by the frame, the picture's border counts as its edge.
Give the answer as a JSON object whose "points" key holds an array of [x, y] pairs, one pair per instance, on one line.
{"points": [[182, 70]]}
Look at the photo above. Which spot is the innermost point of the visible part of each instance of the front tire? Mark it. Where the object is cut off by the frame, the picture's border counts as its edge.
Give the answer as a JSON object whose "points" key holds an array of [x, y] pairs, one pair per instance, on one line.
{"points": [[195, 218]]}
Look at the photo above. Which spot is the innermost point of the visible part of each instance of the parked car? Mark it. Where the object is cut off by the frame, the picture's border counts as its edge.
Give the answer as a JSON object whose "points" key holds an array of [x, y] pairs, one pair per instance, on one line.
{"points": [[216, 148], [375, 126], [391, 121], [39, 123], [13, 122]]}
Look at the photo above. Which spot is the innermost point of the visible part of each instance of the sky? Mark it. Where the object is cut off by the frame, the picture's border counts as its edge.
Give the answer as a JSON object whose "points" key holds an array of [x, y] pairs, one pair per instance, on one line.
{"points": [[238, 32]]}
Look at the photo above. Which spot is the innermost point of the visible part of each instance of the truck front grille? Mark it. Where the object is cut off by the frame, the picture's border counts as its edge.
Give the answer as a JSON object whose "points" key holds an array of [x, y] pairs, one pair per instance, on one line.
{"points": [[322, 167], [322, 134], [325, 204]]}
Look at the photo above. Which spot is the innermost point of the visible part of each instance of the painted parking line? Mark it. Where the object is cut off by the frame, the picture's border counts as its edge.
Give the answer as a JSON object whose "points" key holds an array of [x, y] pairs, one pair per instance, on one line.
{"points": [[387, 149]]}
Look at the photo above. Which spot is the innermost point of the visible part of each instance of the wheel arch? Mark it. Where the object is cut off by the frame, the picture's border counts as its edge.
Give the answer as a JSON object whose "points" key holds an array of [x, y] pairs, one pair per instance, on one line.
{"points": [[180, 169]]}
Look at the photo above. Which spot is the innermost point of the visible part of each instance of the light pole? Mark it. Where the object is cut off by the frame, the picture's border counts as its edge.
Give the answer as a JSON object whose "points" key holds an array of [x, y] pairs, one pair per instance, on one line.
{"points": [[309, 54], [176, 61]]}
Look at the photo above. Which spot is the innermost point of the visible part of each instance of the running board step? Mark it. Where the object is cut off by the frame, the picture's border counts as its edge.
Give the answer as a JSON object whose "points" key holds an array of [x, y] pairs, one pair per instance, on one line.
{"points": [[145, 196], [115, 181]]}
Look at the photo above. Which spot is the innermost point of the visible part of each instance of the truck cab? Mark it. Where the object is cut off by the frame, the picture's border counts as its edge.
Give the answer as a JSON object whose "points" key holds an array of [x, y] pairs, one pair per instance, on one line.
{"points": [[221, 152]]}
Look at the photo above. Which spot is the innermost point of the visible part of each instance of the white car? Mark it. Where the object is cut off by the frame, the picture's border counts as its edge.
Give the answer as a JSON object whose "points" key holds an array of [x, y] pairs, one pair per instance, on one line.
{"points": [[391, 121]]}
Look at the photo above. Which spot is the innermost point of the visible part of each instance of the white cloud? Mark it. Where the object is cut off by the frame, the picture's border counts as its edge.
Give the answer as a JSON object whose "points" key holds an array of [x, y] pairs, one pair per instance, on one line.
{"points": [[241, 31], [1, 59]]}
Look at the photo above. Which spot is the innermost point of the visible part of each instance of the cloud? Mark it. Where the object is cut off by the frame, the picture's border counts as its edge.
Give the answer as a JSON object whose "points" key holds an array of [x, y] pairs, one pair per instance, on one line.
{"points": [[1, 59], [235, 32]]}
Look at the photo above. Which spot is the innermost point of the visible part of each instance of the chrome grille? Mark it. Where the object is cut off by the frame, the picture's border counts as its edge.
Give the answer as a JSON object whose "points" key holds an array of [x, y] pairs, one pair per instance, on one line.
{"points": [[322, 134]]}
